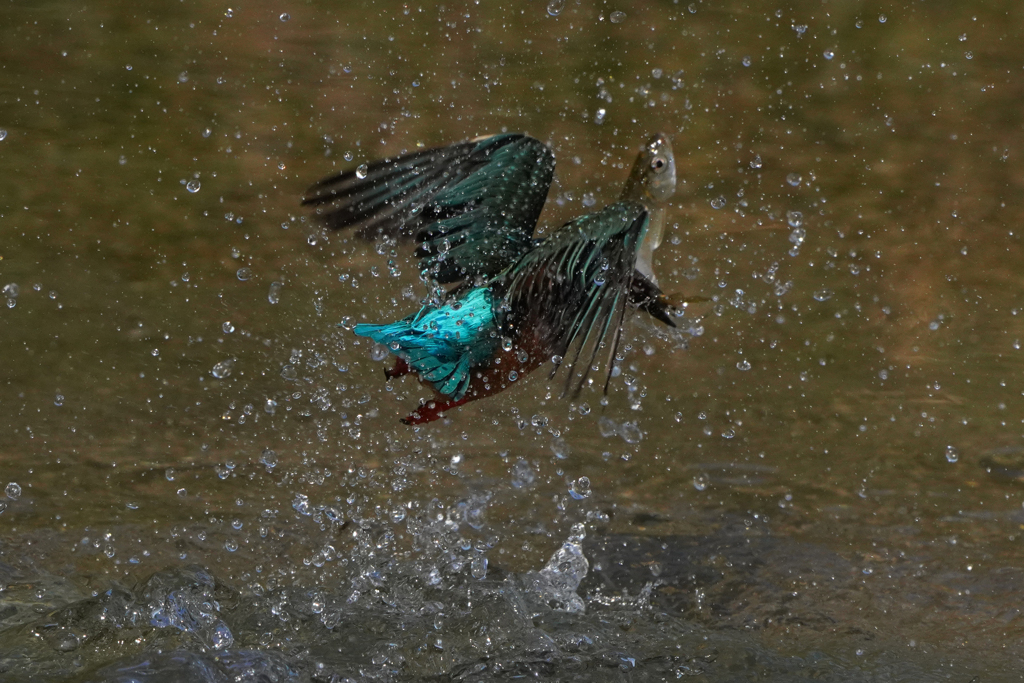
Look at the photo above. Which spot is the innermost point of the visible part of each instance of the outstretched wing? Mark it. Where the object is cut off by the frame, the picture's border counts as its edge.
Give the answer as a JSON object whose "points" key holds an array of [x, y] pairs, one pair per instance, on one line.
{"points": [[573, 289], [471, 206]]}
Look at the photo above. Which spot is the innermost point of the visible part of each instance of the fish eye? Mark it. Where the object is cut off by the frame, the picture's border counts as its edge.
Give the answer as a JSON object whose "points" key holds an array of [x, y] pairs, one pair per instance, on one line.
{"points": [[658, 164]]}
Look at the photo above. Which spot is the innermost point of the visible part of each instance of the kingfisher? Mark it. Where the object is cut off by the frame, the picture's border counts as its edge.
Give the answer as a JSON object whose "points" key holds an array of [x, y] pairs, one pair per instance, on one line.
{"points": [[517, 301]]}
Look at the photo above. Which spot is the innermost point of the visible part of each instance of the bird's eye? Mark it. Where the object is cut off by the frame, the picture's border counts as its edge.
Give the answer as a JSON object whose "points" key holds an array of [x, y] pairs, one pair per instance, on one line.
{"points": [[658, 164]]}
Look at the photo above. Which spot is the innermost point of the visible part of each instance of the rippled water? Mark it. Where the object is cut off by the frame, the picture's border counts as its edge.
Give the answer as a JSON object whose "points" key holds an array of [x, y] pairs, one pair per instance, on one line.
{"points": [[203, 470]]}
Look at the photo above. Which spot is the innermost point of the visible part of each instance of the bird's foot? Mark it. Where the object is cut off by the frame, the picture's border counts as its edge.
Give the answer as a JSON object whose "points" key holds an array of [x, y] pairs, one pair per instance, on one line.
{"points": [[665, 307]]}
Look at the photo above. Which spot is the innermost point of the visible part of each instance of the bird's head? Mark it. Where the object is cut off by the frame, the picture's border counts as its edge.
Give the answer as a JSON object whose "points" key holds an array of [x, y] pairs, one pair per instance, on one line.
{"points": [[653, 178]]}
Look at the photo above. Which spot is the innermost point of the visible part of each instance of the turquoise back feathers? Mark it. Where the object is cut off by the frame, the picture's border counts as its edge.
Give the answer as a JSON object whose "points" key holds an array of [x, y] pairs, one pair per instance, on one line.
{"points": [[443, 344]]}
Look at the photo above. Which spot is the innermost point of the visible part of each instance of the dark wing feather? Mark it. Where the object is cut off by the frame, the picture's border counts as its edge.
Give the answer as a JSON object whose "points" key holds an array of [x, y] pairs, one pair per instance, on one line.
{"points": [[471, 206], [573, 289]]}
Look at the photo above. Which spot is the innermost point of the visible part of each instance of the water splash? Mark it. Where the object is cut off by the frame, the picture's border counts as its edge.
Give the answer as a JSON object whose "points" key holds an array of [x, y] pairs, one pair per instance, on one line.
{"points": [[184, 599], [557, 582]]}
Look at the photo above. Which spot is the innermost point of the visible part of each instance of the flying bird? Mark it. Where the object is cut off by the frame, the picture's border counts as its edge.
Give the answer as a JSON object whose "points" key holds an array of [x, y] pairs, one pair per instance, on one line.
{"points": [[518, 301]]}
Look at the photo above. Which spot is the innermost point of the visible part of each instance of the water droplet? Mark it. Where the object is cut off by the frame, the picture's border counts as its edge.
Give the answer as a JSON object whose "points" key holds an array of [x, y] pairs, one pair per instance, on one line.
{"points": [[506, 343], [70, 642], [794, 218], [478, 567], [285, 16], [600, 115], [13, 491], [289, 372], [192, 186], [701, 482], [317, 604], [11, 290], [269, 459], [617, 17], [823, 295], [746, 61], [743, 365], [962, 37], [223, 369], [797, 236], [220, 637], [756, 162], [274, 294], [580, 488], [227, 327], [523, 475], [182, 492], [539, 421], [589, 199], [969, 55], [829, 54], [794, 179], [630, 432], [270, 406], [58, 400], [3, 134], [560, 448], [952, 454], [231, 545], [882, 18], [362, 170], [378, 353], [718, 202], [555, 7], [243, 274]]}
